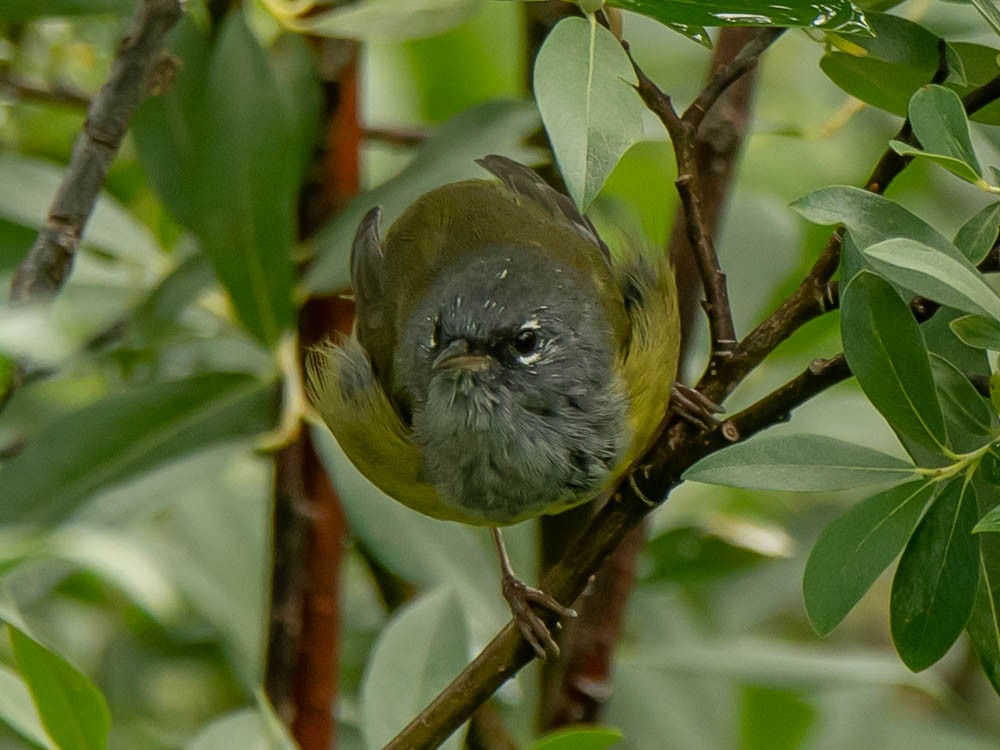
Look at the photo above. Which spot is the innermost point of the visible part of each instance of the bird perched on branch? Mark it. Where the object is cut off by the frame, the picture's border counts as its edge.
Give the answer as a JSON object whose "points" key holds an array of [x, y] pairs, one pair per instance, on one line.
{"points": [[503, 365]]}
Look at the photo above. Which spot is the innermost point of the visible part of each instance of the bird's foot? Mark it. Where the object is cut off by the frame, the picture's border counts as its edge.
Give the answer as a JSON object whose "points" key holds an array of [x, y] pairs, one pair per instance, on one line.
{"points": [[522, 600], [694, 407]]}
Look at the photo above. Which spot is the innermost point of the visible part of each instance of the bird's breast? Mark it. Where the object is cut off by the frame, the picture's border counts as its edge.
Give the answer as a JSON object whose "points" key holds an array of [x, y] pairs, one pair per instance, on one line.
{"points": [[501, 456]]}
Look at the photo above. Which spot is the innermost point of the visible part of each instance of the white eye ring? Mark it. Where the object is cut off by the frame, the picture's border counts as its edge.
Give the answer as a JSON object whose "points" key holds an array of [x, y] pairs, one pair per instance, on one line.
{"points": [[527, 343]]}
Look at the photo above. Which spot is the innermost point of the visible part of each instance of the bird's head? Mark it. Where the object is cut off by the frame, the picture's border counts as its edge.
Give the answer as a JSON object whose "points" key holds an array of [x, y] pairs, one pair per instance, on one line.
{"points": [[509, 364]]}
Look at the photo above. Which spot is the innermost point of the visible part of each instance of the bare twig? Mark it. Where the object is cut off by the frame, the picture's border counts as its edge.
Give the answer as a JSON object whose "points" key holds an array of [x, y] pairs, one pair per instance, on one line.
{"points": [[661, 470], [28, 91], [740, 65], [682, 133], [396, 136], [814, 295], [50, 259], [507, 653], [578, 684]]}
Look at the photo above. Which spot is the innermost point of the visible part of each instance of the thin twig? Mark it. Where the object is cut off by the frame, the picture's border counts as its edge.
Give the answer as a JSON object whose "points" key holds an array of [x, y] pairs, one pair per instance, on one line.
{"points": [[58, 94], [814, 296], [740, 65], [978, 98], [45, 269], [662, 468], [396, 136], [507, 653], [682, 134]]}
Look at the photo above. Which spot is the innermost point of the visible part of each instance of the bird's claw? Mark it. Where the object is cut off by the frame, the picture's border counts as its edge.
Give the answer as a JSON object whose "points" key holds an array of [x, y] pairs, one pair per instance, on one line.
{"points": [[522, 598], [694, 407]]}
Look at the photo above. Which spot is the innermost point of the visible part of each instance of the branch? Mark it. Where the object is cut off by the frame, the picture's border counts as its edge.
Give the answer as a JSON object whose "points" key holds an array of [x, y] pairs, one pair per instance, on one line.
{"points": [[406, 137], [662, 468], [577, 685], [814, 295], [683, 131], [58, 94], [740, 65], [507, 652], [45, 269]]}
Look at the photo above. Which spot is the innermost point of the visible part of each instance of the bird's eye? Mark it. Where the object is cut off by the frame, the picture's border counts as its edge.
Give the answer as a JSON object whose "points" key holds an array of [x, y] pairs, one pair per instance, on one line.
{"points": [[526, 341]]}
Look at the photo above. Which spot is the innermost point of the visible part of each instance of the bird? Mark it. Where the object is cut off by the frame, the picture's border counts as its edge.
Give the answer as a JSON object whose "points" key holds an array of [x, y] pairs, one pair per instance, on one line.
{"points": [[504, 364]]}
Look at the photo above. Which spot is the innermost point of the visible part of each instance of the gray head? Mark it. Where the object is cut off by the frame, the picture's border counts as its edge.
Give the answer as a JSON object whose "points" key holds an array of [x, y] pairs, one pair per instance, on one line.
{"points": [[509, 366]]}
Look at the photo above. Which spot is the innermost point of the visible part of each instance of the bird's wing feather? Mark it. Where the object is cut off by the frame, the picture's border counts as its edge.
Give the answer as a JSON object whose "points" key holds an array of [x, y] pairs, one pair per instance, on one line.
{"points": [[525, 182], [649, 356], [366, 258], [345, 392]]}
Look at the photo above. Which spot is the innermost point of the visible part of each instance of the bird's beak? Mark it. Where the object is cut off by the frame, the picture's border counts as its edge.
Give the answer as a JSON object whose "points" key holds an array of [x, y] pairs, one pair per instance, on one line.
{"points": [[456, 356]]}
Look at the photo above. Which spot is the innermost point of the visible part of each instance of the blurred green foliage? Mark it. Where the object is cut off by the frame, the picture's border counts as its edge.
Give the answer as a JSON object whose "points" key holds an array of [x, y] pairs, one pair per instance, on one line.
{"points": [[153, 583]]}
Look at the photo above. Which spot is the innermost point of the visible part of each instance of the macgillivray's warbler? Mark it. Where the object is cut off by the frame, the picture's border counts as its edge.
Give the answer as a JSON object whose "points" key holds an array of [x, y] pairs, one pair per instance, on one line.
{"points": [[503, 364]]}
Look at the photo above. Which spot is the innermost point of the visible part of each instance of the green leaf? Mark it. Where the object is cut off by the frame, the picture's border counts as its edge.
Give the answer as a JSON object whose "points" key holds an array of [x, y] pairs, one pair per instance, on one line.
{"points": [[800, 463], [995, 391], [243, 729], [250, 183], [839, 14], [781, 663], [989, 522], [980, 65], [17, 710], [71, 707], [29, 10], [984, 623], [496, 127], [935, 584], [426, 551], [571, 738], [120, 561], [944, 278], [885, 350], [27, 187], [775, 719], [693, 555], [977, 331], [294, 69], [976, 237], [990, 12], [416, 656], [952, 164], [870, 218], [195, 141], [374, 20], [246, 729], [171, 130], [584, 86], [885, 69], [696, 34], [125, 435], [853, 551], [941, 340], [161, 309], [968, 417], [939, 122]]}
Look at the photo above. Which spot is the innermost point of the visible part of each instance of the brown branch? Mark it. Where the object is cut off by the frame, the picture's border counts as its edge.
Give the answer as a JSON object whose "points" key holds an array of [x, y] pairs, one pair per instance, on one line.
{"points": [[683, 133], [978, 98], [50, 259], [814, 296], [578, 684], [310, 529], [407, 137], [662, 468], [27, 91], [507, 653], [731, 72]]}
